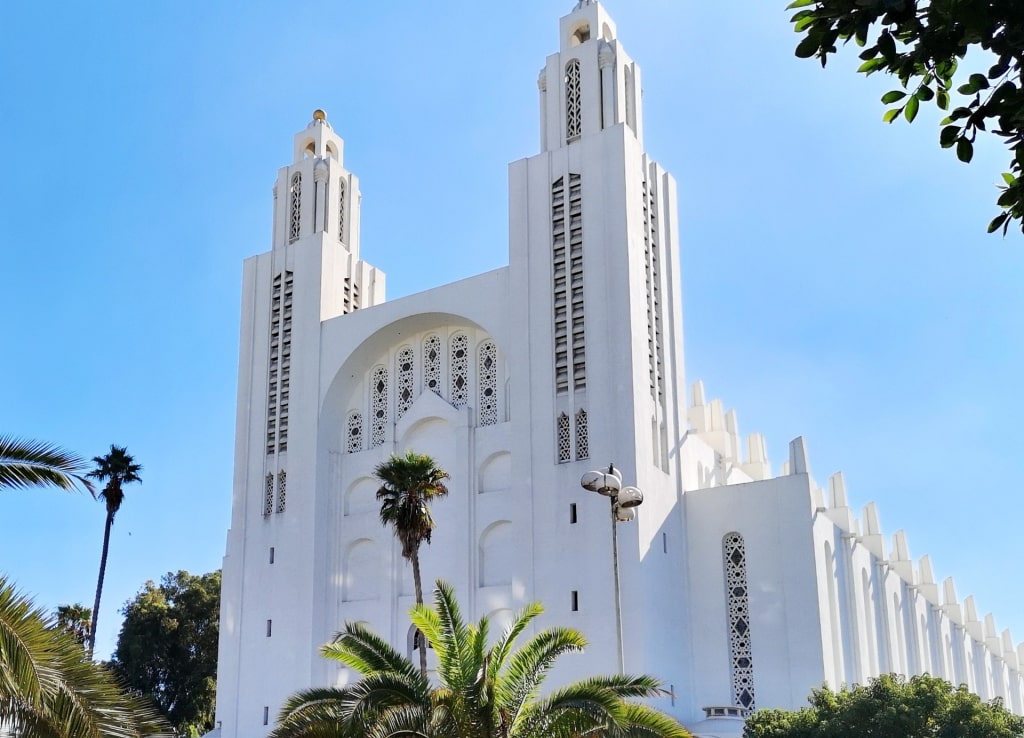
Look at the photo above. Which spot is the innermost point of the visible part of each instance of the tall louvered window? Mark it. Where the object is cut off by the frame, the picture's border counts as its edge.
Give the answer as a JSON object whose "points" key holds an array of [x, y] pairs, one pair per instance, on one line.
{"points": [[378, 405], [279, 364], [487, 382], [735, 557], [295, 208], [573, 101], [560, 286], [579, 358]]}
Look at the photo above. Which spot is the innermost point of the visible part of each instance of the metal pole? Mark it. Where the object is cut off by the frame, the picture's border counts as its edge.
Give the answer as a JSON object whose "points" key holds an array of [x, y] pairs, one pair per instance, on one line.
{"points": [[618, 594]]}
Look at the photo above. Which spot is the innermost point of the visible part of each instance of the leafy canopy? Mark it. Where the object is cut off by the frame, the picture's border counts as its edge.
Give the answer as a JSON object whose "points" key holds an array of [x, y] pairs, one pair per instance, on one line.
{"points": [[484, 690], [409, 483], [167, 647], [922, 43], [893, 707]]}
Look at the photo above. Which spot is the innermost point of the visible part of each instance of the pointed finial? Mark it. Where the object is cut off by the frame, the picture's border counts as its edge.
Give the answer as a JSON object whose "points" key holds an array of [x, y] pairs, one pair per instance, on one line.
{"points": [[319, 114]]}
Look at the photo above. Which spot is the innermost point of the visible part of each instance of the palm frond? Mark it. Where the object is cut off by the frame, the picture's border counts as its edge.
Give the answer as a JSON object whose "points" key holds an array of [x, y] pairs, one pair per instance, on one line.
{"points": [[503, 646], [26, 463], [365, 652]]}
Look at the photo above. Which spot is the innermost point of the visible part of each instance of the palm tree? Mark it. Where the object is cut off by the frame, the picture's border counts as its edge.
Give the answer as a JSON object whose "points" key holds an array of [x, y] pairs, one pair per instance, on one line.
{"points": [[25, 463], [484, 691], [116, 468], [76, 619], [410, 482], [47, 690]]}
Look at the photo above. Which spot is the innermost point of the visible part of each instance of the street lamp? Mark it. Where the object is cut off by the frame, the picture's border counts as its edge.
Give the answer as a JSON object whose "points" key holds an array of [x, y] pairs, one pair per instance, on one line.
{"points": [[623, 500]]}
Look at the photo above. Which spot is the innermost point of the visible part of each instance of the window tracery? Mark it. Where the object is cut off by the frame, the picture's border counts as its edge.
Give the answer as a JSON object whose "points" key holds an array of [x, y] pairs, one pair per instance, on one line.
{"points": [[268, 495], [282, 488], [735, 557], [573, 101], [432, 364], [295, 208], [405, 371], [341, 209], [487, 382], [354, 441], [564, 439], [582, 435], [459, 370], [379, 405]]}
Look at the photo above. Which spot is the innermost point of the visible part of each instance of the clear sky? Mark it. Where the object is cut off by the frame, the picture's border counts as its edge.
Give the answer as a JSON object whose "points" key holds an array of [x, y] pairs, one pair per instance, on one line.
{"points": [[839, 282]]}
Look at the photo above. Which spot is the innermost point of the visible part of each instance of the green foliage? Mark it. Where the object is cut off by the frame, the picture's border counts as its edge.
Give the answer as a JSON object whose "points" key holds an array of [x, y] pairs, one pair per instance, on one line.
{"points": [[25, 463], [48, 689], [75, 619], [922, 43], [167, 647], [890, 706], [484, 691]]}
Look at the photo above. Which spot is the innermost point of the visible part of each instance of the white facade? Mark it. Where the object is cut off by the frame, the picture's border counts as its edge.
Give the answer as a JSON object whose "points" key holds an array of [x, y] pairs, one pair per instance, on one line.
{"points": [[739, 589]]}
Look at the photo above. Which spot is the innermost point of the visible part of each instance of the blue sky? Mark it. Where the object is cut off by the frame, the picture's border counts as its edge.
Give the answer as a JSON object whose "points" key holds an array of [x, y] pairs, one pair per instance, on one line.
{"points": [[839, 283]]}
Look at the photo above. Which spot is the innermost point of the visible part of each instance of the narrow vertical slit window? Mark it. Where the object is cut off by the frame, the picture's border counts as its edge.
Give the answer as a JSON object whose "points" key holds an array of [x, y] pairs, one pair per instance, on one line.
{"points": [[270, 628], [574, 600], [572, 514], [295, 208], [271, 554], [266, 715], [573, 101], [664, 542]]}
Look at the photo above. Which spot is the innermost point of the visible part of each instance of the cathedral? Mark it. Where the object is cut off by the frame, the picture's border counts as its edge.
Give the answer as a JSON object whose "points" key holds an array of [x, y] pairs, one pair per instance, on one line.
{"points": [[738, 586]]}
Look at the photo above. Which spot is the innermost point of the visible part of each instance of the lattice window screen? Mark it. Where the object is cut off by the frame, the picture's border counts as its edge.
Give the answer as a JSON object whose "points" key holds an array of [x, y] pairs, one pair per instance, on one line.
{"points": [[560, 288], [735, 556], [268, 496], [378, 405], [573, 101], [564, 439], [432, 364], [354, 442], [406, 378], [295, 208], [582, 435], [460, 370], [341, 209], [487, 382], [282, 489], [579, 359], [284, 393]]}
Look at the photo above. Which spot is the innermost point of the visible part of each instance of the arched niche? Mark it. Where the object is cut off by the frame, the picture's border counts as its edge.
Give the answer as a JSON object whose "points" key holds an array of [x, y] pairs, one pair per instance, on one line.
{"points": [[361, 571], [433, 436], [495, 473], [361, 496], [497, 554]]}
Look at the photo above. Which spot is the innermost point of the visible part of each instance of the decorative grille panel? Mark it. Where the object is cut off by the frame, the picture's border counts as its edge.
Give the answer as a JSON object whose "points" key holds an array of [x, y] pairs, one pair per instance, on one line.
{"points": [[268, 496], [564, 439], [282, 488], [341, 209], [573, 101], [582, 435], [432, 364], [354, 442], [406, 377], [487, 381], [735, 556], [378, 405], [295, 208], [460, 370]]}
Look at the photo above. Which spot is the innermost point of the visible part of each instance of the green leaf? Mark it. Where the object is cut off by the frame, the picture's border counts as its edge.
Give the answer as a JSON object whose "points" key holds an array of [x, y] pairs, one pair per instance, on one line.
{"points": [[924, 93], [891, 97], [997, 221], [807, 48], [942, 99], [978, 82], [800, 4], [887, 45], [1009, 178], [891, 115], [910, 112], [871, 65], [964, 150], [965, 89], [948, 136], [803, 23]]}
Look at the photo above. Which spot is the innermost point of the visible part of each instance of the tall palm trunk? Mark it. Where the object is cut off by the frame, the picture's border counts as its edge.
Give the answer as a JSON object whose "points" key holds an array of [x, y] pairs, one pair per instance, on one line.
{"points": [[418, 584], [99, 581]]}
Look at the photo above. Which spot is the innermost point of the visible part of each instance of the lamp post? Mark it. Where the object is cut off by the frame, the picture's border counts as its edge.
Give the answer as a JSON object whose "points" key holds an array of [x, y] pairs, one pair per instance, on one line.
{"points": [[623, 500]]}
